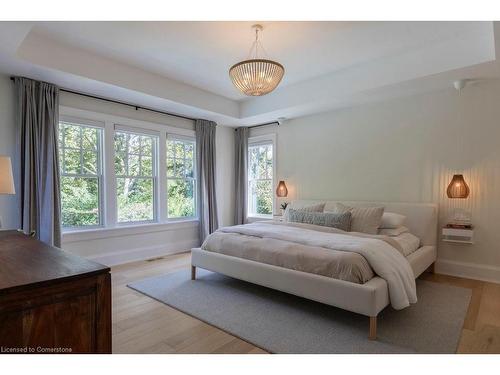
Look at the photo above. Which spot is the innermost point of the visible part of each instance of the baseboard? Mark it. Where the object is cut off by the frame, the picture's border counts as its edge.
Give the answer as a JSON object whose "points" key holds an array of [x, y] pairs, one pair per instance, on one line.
{"points": [[475, 271], [143, 253]]}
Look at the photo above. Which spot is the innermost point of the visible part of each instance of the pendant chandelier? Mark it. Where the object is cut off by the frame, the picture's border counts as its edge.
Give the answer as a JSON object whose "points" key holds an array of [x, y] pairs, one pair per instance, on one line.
{"points": [[256, 76]]}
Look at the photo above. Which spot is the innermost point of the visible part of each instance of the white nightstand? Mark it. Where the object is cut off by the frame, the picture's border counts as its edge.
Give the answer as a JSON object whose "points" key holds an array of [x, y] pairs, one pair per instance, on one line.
{"points": [[457, 235], [277, 217]]}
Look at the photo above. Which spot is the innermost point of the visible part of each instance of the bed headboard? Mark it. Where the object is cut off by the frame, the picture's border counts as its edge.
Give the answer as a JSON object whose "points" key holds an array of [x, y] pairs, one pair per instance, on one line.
{"points": [[421, 218]]}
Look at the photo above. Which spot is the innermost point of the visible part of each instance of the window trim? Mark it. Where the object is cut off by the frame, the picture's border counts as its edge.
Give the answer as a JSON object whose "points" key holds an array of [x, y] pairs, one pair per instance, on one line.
{"points": [[86, 123], [269, 138], [174, 137], [107, 122]]}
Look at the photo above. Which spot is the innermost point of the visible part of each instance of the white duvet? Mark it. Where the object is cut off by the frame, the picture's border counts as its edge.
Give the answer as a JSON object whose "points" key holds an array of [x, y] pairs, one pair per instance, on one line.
{"points": [[385, 260]]}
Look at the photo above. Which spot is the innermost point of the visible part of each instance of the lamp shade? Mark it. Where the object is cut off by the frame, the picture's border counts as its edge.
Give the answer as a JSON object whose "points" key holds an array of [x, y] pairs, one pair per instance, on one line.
{"points": [[256, 77], [281, 190], [458, 187], [6, 179]]}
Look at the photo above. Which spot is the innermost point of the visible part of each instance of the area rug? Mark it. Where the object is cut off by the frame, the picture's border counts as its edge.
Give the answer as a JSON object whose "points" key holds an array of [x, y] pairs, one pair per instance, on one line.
{"points": [[283, 323]]}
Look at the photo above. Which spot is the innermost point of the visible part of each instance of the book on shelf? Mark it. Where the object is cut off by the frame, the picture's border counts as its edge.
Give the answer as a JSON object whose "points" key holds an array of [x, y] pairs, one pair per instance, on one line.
{"points": [[458, 226]]}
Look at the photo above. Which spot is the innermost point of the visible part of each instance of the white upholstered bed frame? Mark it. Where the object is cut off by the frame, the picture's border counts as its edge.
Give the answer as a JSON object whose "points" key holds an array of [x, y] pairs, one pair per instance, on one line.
{"points": [[367, 299]]}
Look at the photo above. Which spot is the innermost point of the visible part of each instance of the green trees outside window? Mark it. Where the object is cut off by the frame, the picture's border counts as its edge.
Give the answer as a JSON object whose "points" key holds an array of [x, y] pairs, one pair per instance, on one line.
{"points": [[260, 179], [80, 165], [135, 156], [181, 182]]}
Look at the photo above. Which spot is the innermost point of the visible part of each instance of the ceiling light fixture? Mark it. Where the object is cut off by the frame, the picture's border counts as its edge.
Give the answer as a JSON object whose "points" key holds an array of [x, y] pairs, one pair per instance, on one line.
{"points": [[256, 76]]}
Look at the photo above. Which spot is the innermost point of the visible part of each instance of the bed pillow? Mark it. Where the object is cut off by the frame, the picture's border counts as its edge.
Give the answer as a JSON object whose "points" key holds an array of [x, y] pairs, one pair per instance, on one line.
{"points": [[313, 208], [325, 219], [393, 232], [363, 219], [391, 220]]}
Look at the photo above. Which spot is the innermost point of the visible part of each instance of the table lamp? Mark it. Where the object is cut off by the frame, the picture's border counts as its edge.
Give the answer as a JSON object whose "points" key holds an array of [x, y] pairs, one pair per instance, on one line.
{"points": [[6, 179]]}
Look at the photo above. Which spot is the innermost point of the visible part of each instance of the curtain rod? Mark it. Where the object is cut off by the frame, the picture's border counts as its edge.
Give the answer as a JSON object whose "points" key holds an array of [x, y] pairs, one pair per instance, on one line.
{"points": [[264, 124], [137, 107]]}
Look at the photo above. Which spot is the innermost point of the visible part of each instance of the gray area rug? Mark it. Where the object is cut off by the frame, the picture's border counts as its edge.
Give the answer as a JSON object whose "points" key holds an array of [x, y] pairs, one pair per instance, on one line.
{"points": [[283, 323]]}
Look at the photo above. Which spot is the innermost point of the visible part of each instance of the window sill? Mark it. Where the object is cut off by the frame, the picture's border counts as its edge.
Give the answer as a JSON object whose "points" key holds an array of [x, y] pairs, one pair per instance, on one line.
{"points": [[126, 230]]}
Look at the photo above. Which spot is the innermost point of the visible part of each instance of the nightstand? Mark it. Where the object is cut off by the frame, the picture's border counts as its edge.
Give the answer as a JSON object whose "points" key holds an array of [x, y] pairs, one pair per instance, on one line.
{"points": [[458, 235], [277, 217]]}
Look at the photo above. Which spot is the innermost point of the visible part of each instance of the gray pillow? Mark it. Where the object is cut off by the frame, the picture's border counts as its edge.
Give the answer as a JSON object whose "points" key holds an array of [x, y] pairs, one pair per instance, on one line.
{"points": [[311, 208], [325, 219]]}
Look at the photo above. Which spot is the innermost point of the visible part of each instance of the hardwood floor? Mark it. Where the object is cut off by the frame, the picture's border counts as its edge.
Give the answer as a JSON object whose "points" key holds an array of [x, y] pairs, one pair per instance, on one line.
{"points": [[144, 325], [481, 330]]}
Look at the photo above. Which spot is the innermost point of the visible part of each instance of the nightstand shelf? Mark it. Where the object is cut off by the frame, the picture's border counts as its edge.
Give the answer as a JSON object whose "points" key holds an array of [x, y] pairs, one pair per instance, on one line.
{"points": [[458, 235]]}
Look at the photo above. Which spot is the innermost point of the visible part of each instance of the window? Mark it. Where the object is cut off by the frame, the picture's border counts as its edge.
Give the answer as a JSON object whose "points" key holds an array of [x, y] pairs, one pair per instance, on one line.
{"points": [[260, 179], [81, 174], [181, 181], [120, 172], [135, 169]]}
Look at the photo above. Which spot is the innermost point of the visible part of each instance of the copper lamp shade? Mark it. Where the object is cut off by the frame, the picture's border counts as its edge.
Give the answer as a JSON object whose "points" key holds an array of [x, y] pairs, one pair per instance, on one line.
{"points": [[458, 187], [281, 190]]}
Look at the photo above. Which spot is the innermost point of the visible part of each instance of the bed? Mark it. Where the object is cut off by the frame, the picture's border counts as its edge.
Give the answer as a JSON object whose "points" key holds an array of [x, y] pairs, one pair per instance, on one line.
{"points": [[368, 298]]}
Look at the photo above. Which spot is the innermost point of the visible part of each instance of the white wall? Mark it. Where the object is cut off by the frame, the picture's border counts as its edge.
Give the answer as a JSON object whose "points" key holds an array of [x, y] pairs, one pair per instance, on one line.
{"points": [[225, 175], [9, 211], [406, 150]]}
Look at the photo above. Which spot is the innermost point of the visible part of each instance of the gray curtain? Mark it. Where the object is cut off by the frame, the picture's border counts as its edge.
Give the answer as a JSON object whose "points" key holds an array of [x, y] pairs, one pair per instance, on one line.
{"points": [[37, 124], [241, 164], [205, 172]]}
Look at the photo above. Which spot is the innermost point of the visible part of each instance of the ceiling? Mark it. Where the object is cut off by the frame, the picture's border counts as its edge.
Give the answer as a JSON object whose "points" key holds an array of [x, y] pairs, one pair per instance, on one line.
{"points": [[183, 66]]}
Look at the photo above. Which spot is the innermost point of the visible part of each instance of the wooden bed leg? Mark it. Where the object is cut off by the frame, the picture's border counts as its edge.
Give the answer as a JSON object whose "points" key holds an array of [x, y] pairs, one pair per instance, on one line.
{"points": [[373, 328], [193, 273]]}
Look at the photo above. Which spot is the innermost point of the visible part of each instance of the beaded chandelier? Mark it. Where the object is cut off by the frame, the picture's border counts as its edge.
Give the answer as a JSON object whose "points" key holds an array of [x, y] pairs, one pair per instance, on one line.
{"points": [[256, 76]]}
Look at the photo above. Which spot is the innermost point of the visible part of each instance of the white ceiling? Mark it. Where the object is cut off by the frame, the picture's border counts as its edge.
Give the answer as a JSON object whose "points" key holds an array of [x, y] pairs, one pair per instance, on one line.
{"points": [[183, 66], [200, 53]]}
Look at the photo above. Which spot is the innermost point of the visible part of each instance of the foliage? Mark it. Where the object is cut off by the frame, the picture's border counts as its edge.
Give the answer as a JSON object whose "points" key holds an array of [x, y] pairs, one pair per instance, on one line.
{"points": [[79, 199], [79, 148], [134, 176], [79, 181], [260, 179], [180, 198], [180, 175]]}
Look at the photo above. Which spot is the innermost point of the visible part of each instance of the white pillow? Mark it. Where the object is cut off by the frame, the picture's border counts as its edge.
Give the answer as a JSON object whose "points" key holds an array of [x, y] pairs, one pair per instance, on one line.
{"points": [[363, 219], [391, 220], [393, 232]]}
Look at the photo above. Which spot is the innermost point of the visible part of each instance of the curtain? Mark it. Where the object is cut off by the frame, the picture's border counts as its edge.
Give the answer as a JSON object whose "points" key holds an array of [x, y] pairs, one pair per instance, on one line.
{"points": [[37, 124], [205, 172], [241, 164]]}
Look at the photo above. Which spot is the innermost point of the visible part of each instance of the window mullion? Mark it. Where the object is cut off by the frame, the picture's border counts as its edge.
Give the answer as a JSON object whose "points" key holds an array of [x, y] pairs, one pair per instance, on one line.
{"points": [[81, 150], [162, 205], [110, 186], [63, 149]]}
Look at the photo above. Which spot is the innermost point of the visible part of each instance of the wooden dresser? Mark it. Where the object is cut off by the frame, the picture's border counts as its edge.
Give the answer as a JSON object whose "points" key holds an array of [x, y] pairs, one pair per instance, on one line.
{"points": [[51, 301]]}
